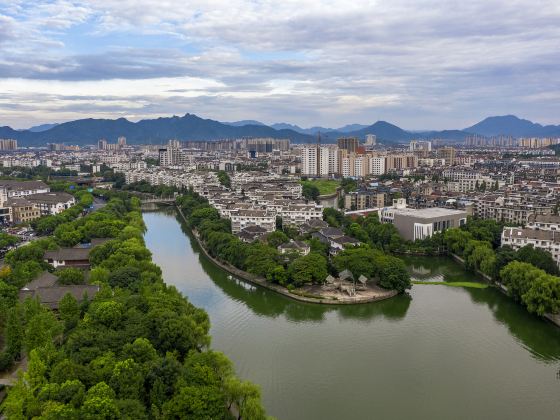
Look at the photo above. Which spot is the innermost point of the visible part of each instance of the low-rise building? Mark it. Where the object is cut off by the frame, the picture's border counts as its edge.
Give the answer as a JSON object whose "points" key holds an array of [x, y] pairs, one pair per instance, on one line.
{"points": [[547, 240], [22, 210], [242, 219], [414, 224], [299, 247], [52, 202]]}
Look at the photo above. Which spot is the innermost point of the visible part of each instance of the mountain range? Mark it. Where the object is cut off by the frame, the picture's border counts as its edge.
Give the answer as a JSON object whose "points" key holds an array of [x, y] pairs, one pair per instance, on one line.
{"points": [[192, 127]]}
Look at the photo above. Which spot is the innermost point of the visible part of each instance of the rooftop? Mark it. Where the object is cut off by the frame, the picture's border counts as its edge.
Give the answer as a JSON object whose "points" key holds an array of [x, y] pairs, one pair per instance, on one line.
{"points": [[430, 213]]}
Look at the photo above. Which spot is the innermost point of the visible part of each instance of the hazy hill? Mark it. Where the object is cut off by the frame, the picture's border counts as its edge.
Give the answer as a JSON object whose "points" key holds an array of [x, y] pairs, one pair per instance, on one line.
{"points": [[511, 125], [192, 127]]}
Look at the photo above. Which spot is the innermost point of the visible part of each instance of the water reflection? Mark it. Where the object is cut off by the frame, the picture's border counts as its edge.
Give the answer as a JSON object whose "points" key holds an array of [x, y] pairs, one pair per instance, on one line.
{"points": [[332, 362], [267, 303], [538, 336]]}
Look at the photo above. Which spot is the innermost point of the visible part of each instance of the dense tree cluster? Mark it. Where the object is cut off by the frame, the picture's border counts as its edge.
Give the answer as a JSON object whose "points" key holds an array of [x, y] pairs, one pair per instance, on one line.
{"points": [[530, 274], [390, 271], [533, 287], [138, 350], [369, 229], [37, 172], [7, 240], [145, 187]]}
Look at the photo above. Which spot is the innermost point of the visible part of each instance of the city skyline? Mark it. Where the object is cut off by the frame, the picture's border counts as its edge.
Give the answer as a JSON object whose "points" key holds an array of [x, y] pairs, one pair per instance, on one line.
{"points": [[420, 65]]}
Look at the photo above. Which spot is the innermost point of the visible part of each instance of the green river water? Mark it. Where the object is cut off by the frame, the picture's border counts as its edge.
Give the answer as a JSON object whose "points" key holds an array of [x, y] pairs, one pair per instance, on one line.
{"points": [[438, 353]]}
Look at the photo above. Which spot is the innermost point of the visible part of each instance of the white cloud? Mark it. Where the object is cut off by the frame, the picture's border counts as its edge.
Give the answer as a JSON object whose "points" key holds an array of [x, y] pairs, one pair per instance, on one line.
{"points": [[419, 63]]}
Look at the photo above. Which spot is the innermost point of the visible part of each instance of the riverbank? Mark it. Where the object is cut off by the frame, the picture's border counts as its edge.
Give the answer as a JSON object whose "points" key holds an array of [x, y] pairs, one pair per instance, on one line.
{"points": [[554, 319], [297, 351], [308, 295]]}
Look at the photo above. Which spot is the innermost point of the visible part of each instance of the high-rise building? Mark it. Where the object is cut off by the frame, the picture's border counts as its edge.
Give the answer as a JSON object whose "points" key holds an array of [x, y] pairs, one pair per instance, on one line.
{"points": [[371, 140], [448, 154], [8, 144], [121, 141], [350, 144], [172, 156], [265, 145], [102, 144], [420, 145], [319, 161]]}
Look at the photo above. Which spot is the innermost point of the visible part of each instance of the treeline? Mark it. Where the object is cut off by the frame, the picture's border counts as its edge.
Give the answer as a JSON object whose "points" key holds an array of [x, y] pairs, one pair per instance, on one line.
{"points": [[146, 188], [138, 350], [37, 172], [530, 274]]}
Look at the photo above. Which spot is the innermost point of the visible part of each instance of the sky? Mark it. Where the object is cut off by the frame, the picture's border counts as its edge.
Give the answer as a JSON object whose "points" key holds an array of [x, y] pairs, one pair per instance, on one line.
{"points": [[420, 64]]}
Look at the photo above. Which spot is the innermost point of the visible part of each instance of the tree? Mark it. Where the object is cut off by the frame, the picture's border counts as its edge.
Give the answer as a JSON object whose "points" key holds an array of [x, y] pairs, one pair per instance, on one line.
{"points": [[543, 296], [278, 275], [127, 379], [13, 332], [456, 240], [70, 276], [311, 268], [261, 259], [41, 329], [539, 258], [519, 277], [7, 240], [69, 311], [310, 191], [393, 274], [224, 179], [359, 260], [196, 403], [99, 275], [100, 403], [276, 238]]}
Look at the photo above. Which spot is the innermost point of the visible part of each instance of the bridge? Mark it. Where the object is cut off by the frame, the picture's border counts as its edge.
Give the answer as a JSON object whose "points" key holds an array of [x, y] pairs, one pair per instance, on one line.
{"points": [[158, 200]]}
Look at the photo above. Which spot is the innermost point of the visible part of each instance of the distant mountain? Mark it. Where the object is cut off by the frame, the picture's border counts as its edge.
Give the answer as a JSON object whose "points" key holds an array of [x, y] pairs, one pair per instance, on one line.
{"points": [[243, 122], [510, 125], [350, 128], [156, 131], [42, 127], [191, 127], [384, 131], [285, 126], [318, 129]]}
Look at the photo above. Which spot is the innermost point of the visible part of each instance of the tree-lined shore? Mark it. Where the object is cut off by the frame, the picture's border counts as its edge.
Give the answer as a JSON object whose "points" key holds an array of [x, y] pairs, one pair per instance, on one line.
{"points": [[139, 349]]}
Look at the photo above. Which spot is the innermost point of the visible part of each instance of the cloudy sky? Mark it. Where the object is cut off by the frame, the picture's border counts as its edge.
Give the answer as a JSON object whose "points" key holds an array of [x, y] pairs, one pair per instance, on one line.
{"points": [[419, 64]]}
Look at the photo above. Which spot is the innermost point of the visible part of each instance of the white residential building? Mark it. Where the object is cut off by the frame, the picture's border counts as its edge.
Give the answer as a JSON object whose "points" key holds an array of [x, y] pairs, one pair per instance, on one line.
{"points": [[319, 161], [547, 240], [245, 218]]}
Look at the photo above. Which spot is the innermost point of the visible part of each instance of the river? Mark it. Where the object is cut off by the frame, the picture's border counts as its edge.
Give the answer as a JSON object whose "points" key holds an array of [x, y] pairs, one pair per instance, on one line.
{"points": [[438, 353]]}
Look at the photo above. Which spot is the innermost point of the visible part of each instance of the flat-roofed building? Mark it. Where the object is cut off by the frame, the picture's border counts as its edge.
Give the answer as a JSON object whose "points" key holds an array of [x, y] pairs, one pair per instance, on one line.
{"points": [[414, 224]]}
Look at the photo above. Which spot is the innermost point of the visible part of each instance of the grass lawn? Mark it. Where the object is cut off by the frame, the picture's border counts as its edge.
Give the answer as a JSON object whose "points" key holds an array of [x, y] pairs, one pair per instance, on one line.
{"points": [[472, 284], [325, 186]]}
